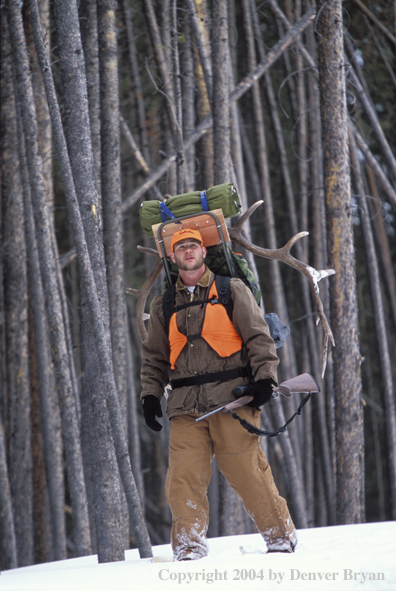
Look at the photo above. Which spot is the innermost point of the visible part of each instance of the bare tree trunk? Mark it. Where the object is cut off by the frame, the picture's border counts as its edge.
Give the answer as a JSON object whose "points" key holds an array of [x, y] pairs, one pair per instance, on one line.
{"points": [[110, 524], [111, 192], [89, 37], [220, 106], [197, 11], [278, 301], [46, 416], [49, 276], [314, 347], [238, 176], [162, 63], [8, 548], [301, 125], [376, 412], [18, 417], [88, 284], [204, 83], [43, 119], [380, 323], [178, 98], [136, 82], [49, 409], [382, 243], [231, 516], [347, 381], [111, 203], [133, 425], [42, 537], [188, 93], [296, 482]]}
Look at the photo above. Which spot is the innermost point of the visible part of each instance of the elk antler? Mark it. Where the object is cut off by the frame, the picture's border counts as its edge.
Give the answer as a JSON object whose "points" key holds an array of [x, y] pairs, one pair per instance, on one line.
{"points": [[279, 254], [143, 292], [283, 254]]}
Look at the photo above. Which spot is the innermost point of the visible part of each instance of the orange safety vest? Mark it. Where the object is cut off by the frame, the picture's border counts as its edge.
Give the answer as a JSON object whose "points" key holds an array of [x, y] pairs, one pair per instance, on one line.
{"points": [[217, 330]]}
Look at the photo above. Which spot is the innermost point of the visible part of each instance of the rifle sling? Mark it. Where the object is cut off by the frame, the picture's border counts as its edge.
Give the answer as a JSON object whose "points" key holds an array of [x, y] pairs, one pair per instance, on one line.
{"points": [[255, 431]]}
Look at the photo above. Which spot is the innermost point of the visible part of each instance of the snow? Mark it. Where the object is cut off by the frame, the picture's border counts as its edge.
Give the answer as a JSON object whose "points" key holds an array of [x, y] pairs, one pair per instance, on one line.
{"points": [[339, 558], [319, 275]]}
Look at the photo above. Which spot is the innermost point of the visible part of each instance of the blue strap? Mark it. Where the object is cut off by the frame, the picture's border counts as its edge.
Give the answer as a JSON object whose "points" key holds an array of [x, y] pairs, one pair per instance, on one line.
{"points": [[165, 212], [204, 201]]}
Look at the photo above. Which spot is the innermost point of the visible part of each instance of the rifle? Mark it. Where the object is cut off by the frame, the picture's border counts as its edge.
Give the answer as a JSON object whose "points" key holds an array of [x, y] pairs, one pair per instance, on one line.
{"points": [[303, 384]]}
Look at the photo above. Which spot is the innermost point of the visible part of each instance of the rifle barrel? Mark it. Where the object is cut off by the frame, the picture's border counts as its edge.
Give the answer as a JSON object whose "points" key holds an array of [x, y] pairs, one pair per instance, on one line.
{"points": [[209, 414]]}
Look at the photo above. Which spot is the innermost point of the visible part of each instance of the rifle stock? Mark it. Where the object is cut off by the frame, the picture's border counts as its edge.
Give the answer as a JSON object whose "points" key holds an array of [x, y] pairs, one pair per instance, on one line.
{"points": [[301, 384]]}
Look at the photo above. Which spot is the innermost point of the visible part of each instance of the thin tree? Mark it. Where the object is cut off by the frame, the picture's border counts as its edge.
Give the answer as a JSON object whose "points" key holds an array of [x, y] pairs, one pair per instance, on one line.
{"points": [[49, 277], [90, 293], [8, 546], [380, 321], [89, 37], [111, 202], [231, 517], [18, 410], [347, 359], [49, 408]]}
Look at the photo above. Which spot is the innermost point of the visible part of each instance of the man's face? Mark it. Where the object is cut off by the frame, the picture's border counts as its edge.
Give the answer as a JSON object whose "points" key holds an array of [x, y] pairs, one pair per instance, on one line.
{"points": [[188, 255]]}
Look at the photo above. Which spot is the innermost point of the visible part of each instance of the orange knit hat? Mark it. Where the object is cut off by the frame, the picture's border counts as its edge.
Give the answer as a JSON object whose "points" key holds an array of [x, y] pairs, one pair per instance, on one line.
{"points": [[184, 234]]}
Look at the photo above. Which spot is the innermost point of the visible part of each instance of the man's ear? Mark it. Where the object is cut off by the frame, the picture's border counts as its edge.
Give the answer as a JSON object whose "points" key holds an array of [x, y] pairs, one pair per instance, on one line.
{"points": [[172, 256], [204, 251]]}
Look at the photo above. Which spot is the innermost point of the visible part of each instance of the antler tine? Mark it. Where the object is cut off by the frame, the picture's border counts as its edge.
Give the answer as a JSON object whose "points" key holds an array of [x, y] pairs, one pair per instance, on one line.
{"points": [[148, 250], [292, 241], [247, 215], [131, 291], [283, 254], [143, 292]]}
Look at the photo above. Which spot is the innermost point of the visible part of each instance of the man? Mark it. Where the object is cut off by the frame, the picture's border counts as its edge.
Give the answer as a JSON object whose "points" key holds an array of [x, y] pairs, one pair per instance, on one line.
{"points": [[206, 356]]}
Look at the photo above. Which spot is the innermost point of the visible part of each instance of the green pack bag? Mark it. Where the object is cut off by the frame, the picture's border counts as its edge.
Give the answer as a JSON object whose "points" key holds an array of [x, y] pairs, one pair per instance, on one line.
{"points": [[223, 197]]}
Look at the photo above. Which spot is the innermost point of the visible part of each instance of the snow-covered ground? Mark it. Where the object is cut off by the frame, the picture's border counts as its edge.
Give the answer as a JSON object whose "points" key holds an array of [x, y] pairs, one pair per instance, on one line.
{"points": [[326, 559]]}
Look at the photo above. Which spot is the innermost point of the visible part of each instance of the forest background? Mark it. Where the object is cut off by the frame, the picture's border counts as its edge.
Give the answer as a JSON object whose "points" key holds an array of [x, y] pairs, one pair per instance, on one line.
{"points": [[107, 104]]}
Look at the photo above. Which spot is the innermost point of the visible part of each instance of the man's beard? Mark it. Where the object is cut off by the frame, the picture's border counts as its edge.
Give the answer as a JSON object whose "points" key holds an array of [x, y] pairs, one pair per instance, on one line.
{"points": [[184, 266]]}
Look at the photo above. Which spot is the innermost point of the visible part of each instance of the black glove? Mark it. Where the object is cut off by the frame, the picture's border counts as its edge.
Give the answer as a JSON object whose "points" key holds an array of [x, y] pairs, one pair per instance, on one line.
{"points": [[151, 409], [261, 390]]}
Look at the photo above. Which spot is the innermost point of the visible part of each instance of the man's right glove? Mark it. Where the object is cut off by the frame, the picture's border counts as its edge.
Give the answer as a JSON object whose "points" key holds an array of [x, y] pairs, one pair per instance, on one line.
{"points": [[151, 409], [261, 390]]}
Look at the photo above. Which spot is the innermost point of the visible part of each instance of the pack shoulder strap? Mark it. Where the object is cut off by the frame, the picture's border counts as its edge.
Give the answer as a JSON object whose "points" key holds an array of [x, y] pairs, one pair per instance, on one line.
{"points": [[224, 294], [168, 305]]}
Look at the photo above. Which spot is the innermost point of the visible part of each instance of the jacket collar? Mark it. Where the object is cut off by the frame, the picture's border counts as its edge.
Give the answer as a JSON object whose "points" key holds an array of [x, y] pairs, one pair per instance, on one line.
{"points": [[205, 280]]}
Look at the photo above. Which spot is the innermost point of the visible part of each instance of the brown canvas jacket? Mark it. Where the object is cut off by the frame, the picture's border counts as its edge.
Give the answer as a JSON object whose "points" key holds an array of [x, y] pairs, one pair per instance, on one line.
{"points": [[198, 357]]}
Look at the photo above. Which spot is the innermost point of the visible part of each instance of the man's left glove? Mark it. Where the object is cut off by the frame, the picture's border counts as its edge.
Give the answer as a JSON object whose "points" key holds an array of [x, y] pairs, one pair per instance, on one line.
{"points": [[261, 390], [151, 409]]}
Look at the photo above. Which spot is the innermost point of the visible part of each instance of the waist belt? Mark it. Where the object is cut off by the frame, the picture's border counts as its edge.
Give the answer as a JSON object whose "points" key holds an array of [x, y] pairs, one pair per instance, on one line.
{"points": [[218, 376]]}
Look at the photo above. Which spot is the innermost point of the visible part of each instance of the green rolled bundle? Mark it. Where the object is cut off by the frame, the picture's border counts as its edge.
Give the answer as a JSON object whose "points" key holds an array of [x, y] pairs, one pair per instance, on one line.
{"points": [[223, 197]]}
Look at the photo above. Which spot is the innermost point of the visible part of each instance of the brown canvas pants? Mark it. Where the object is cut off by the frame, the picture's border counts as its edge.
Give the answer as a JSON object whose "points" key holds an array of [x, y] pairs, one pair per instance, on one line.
{"points": [[244, 465]]}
